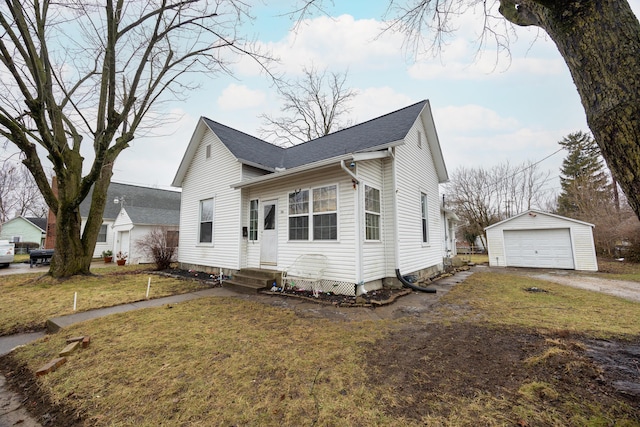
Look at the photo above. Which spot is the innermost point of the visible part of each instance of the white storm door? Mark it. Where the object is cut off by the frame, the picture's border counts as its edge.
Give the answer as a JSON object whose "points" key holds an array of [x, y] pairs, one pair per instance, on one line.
{"points": [[123, 242], [269, 241]]}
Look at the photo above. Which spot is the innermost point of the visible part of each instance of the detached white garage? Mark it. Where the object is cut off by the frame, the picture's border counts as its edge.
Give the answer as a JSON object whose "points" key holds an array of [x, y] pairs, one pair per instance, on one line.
{"points": [[542, 240]]}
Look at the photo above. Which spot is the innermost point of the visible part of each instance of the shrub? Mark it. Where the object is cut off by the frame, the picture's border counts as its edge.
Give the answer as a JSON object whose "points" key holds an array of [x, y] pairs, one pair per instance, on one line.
{"points": [[160, 244]]}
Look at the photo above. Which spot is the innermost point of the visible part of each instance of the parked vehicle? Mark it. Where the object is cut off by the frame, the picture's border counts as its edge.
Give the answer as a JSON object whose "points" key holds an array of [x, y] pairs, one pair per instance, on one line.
{"points": [[7, 250]]}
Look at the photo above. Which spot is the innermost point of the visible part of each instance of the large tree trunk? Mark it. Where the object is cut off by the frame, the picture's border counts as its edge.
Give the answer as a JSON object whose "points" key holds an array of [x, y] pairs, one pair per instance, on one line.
{"points": [[600, 42], [74, 245]]}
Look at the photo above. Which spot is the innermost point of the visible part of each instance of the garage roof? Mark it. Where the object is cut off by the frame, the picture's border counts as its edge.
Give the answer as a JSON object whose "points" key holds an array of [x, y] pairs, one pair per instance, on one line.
{"points": [[534, 212]]}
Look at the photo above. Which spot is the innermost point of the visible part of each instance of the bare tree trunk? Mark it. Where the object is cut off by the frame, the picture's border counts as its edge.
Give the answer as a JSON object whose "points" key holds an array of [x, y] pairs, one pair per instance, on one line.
{"points": [[600, 42]]}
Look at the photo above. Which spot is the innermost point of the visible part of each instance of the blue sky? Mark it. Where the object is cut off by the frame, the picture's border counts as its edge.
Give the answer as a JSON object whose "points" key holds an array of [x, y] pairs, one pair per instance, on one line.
{"points": [[485, 113]]}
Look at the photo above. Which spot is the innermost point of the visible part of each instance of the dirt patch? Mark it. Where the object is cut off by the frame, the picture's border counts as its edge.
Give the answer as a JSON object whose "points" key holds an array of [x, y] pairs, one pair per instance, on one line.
{"points": [[23, 381], [201, 276], [620, 362], [425, 363]]}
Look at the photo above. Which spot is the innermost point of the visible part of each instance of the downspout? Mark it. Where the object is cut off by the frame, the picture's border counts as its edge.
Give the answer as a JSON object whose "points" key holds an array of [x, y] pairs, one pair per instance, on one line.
{"points": [[346, 169], [397, 228], [358, 228]]}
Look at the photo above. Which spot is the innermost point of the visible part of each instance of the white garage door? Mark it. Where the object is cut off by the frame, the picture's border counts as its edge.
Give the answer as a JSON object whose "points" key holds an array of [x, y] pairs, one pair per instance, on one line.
{"points": [[539, 248]]}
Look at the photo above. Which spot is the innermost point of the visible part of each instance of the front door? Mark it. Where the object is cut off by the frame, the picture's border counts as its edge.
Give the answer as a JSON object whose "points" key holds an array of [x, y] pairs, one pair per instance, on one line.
{"points": [[269, 246], [123, 242]]}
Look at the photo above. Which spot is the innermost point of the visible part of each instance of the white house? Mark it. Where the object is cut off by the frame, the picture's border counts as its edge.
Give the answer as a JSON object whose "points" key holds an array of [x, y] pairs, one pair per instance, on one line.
{"points": [[543, 240], [132, 212], [366, 198]]}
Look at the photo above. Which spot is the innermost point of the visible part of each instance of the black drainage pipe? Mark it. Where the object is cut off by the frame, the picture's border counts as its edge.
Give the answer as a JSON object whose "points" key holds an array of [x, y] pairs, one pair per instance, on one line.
{"points": [[411, 285]]}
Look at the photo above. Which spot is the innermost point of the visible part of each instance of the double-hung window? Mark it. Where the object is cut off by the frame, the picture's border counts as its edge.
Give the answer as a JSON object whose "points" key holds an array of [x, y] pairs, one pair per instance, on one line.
{"points": [[206, 221], [325, 213], [372, 213], [314, 218], [102, 234], [299, 215], [425, 217], [253, 219]]}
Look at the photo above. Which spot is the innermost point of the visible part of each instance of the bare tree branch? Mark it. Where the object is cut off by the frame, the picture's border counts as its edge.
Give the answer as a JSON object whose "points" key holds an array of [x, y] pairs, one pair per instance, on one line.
{"points": [[314, 106]]}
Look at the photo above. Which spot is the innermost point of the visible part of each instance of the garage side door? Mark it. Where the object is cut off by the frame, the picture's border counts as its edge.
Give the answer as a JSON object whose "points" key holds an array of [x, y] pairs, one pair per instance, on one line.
{"points": [[539, 248]]}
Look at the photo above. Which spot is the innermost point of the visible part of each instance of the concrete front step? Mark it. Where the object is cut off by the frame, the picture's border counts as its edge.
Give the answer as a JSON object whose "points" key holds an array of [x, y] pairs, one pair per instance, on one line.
{"points": [[247, 288], [251, 280]]}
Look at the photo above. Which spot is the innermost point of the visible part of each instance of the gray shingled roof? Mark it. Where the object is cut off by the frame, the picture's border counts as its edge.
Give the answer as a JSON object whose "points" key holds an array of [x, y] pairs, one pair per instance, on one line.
{"points": [[41, 223], [370, 134], [246, 147], [145, 204], [373, 133], [153, 216]]}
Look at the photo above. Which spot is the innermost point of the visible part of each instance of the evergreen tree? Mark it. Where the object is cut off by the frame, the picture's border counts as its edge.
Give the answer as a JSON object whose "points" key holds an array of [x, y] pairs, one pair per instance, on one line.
{"points": [[584, 181]]}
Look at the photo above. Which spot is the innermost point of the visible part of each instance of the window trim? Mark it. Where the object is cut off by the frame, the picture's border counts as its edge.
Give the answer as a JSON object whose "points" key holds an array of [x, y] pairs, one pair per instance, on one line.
{"points": [[106, 233], [369, 212], [254, 221], [311, 214], [298, 215], [200, 221], [207, 151], [419, 139], [424, 218]]}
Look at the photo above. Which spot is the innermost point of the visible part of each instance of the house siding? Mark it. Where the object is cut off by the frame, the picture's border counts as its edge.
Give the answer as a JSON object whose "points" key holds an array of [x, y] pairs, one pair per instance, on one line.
{"points": [[341, 263], [22, 228], [102, 246], [581, 238], [207, 178], [416, 174], [374, 265]]}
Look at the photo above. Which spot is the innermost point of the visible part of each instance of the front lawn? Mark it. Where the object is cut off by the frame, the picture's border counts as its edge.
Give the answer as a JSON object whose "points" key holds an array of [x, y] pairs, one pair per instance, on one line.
{"points": [[488, 353], [28, 300]]}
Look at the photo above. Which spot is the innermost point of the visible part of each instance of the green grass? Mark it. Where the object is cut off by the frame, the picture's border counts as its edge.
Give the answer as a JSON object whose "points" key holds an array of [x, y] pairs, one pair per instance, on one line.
{"points": [[28, 300], [618, 270], [215, 361], [20, 258], [228, 361], [502, 299]]}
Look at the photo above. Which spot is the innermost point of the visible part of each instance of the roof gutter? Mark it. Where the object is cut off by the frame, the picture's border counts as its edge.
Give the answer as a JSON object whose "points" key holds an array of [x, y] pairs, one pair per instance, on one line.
{"points": [[346, 169]]}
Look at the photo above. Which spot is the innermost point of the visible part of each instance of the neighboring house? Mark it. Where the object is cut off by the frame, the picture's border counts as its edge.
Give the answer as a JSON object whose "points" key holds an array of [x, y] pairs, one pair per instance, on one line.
{"points": [[23, 229], [365, 197], [130, 214], [542, 240]]}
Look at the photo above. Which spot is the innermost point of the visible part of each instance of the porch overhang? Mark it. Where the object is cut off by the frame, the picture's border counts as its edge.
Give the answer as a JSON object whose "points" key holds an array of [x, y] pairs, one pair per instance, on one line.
{"points": [[373, 153]]}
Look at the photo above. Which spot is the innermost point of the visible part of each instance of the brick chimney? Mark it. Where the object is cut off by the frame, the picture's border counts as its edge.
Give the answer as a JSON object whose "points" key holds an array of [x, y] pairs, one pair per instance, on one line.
{"points": [[50, 237]]}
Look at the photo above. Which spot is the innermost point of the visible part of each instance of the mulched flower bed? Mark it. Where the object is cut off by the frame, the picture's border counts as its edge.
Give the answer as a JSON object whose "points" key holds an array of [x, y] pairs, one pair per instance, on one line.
{"points": [[202, 276], [375, 298], [370, 299]]}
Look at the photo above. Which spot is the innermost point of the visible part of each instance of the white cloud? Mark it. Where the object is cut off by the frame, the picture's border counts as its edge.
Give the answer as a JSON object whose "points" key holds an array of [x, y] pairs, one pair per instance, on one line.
{"points": [[238, 97], [376, 101], [153, 160], [466, 118], [332, 42]]}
